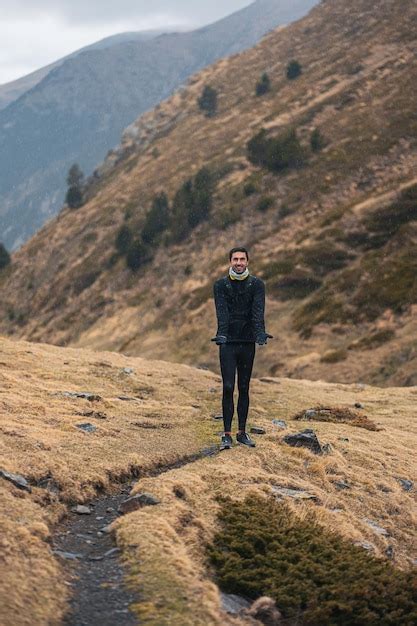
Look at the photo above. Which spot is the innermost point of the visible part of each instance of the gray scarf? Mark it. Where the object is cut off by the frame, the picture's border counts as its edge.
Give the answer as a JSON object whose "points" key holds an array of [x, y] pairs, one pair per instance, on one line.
{"points": [[234, 276]]}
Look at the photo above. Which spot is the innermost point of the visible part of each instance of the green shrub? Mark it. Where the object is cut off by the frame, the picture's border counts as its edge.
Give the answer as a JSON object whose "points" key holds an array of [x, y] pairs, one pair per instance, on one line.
{"points": [[383, 223], [263, 85], [265, 203], [334, 356], [373, 340], [284, 210], [314, 576], [294, 286], [294, 70], [207, 102], [4, 257], [249, 188], [276, 153], [192, 205], [156, 220], [124, 239], [324, 257], [317, 141]]}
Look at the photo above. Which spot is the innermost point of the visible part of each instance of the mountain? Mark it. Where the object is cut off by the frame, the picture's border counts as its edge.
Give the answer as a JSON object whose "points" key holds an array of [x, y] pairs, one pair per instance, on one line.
{"points": [[11, 91], [77, 112], [334, 238], [148, 427]]}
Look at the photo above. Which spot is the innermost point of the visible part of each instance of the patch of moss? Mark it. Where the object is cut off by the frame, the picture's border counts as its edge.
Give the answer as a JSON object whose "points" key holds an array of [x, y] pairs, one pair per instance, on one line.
{"points": [[337, 415], [294, 286], [200, 295], [314, 576], [322, 307], [324, 257], [334, 356], [280, 266], [373, 340]]}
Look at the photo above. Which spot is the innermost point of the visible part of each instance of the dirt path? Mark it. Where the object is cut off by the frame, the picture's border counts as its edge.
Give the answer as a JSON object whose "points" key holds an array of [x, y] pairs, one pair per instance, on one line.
{"points": [[91, 557]]}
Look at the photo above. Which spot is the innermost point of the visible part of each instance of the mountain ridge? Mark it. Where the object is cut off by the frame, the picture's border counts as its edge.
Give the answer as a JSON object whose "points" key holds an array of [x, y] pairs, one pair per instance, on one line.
{"points": [[79, 110]]}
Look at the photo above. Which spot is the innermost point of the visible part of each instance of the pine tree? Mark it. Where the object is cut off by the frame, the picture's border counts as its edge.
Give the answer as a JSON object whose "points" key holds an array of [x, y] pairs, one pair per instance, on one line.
{"points": [[208, 101], [264, 85], [317, 140], [75, 181], [293, 70], [202, 197], [138, 255], [157, 219], [123, 239], [4, 257]]}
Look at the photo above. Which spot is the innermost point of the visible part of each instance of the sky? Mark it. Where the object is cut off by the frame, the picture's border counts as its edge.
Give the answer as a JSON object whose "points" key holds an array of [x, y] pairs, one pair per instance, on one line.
{"points": [[34, 33]]}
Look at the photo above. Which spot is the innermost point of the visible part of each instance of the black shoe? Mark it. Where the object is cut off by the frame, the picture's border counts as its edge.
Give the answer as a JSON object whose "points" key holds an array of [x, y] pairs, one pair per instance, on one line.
{"points": [[245, 439], [226, 442]]}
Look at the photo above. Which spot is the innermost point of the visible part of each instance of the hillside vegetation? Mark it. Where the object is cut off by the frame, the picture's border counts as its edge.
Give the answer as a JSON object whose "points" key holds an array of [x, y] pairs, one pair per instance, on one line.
{"points": [[316, 176], [148, 415]]}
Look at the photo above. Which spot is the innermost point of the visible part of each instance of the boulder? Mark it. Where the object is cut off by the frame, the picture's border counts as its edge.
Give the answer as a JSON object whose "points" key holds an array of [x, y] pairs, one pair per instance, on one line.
{"points": [[305, 439], [17, 480], [137, 502]]}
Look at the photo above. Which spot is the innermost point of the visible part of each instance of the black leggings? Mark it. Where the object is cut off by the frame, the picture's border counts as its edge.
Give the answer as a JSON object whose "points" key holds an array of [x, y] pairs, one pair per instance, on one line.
{"points": [[236, 356]]}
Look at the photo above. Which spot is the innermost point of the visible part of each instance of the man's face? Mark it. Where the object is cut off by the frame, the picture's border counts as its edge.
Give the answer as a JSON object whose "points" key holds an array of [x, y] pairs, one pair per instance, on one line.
{"points": [[239, 262]]}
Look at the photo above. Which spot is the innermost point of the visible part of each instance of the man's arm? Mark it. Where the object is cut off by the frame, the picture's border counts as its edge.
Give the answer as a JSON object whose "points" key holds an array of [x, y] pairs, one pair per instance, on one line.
{"points": [[222, 312], [258, 308], [258, 314]]}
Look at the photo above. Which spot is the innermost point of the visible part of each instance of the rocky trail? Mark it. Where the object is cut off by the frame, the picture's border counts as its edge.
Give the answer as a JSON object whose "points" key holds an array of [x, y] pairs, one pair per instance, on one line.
{"points": [[86, 545]]}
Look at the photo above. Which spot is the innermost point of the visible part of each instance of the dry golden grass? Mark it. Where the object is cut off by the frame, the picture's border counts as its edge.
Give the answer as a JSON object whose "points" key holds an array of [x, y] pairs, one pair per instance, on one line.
{"points": [[357, 87], [163, 546]]}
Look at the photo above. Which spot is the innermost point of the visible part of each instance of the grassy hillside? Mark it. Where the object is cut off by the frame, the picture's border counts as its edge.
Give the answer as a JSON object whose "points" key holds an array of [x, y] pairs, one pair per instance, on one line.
{"points": [[167, 419], [334, 238]]}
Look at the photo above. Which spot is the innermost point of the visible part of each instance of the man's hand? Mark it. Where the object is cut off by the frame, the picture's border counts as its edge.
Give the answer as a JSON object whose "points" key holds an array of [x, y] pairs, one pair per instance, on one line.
{"points": [[262, 338], [219, 339]]}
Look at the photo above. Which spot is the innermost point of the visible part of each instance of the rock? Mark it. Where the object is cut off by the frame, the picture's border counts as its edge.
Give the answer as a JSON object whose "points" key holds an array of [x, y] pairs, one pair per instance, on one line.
{"points": [[341, 484], [112, 553], [137, 502], [256, 430], [327, 448], [127, 399], [99, 557], [365, 545], [86, 395], [406, 484], [17, 480], [265, 610], [217, 417], [106, 529], [233, 604], [310, 414], [69, 556], [80, 509], [128, 370], [87, 427], [359, 405], [389, 552], [298, 494], [305, 439], [279, 423], [378, 529], [343, 438]]}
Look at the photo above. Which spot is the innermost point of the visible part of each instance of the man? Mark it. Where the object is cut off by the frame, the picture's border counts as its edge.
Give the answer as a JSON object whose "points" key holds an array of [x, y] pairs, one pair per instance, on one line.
{"points": [[240, 307]]}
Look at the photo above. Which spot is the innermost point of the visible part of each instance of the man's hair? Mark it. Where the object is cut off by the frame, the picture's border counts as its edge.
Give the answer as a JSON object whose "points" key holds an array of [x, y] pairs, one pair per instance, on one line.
{"points": [[233, 250]]}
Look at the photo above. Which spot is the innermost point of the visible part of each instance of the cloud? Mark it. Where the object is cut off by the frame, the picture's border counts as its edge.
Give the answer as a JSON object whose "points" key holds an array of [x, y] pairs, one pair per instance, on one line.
{"points": [[96, 11], [34, 34]]}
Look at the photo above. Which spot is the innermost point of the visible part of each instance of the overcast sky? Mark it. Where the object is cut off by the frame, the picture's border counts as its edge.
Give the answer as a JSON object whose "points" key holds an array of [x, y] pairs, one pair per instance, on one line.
{"points": [[34, 33]]}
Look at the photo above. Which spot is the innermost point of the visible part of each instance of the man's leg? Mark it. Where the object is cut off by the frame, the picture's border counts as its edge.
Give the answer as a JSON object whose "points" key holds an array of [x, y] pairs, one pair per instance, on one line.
{"points": [[245, 358], [228, 369]]}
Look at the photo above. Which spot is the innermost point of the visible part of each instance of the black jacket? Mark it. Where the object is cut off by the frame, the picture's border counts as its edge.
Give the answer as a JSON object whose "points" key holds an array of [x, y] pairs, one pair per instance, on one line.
{"points": [[240, 308]]}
